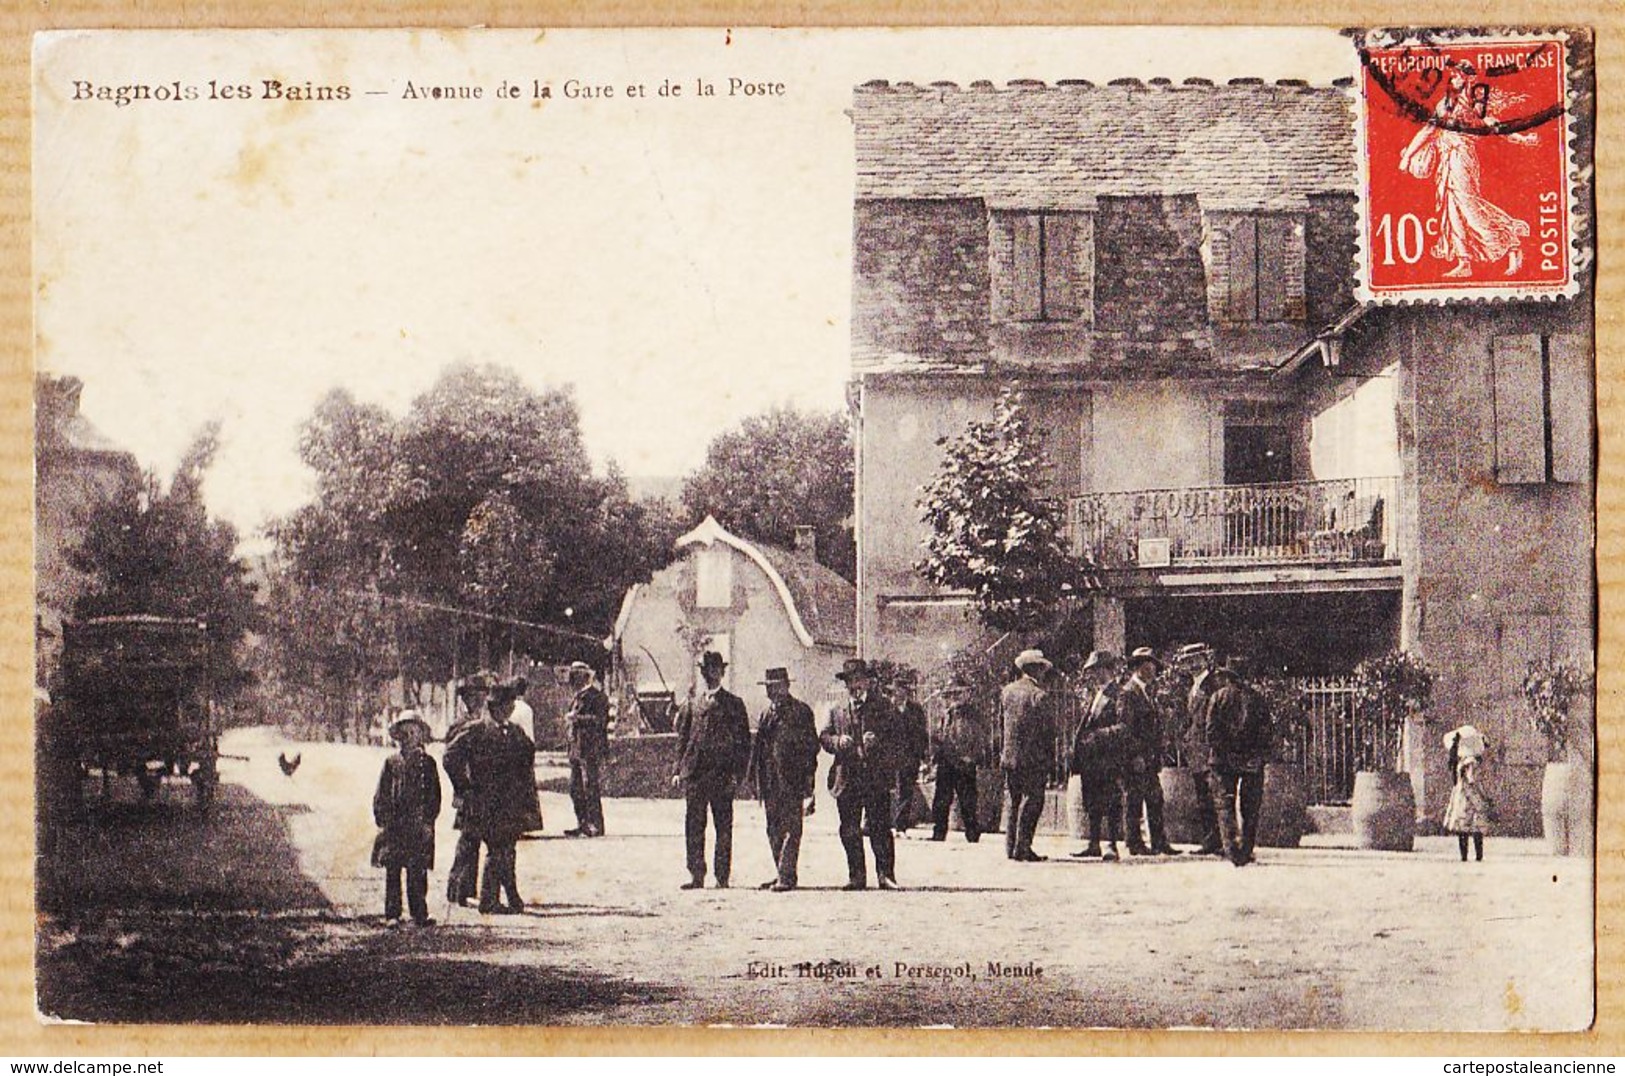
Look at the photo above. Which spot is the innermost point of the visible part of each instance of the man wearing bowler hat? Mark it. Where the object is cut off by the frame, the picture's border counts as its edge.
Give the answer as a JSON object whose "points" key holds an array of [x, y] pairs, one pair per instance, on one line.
{"points": [[462, 879], [783, 760], [713, 752], [587, 725], [1028, 716], [1139, 711], [863, 735]]}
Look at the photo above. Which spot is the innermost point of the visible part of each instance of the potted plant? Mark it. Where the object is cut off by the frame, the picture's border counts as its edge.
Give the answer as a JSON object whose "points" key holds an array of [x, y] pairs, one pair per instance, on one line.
{"points": [[1284, 817], [1550, 688], [1390, 690]]}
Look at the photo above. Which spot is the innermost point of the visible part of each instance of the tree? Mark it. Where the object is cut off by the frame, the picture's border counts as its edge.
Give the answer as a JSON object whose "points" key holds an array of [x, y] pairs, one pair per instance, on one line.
{"points": [[155, 551], [777, 471], [990, 532], [436, 537]]}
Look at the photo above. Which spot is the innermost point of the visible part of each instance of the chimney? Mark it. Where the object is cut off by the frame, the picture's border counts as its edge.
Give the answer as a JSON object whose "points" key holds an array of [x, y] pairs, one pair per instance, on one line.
{"points": [[806, 544]]}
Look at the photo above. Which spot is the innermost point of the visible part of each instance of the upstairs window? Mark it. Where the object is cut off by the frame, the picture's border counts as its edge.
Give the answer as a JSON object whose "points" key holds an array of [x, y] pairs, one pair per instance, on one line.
{"points": [[1255, 268], [1542, 409], [714, 578], [1042, 266]]}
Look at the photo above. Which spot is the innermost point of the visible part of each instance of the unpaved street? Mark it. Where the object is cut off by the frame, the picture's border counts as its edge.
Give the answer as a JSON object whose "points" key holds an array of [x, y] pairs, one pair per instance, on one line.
{"points": [[268, 912]]}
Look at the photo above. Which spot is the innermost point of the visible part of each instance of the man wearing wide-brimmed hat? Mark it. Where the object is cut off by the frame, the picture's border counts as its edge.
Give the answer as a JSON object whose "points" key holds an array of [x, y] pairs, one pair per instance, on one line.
{"points": [[586, 726], [713, 752], [1199, 661], [1238, 735], [863, 735], [783, 761], [1028, 716], [1144, 719], [462, 880], [1099, 748]]}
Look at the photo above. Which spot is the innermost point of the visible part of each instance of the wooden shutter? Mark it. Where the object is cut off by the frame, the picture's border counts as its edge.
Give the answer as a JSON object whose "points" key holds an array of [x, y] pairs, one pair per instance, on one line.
{"points": [[1001, 249], [1218, 266], [1568, 359], [1241, 300], [1083, 266], [1520, 410], [1026, 268], [1060, 237], [1280, 268]]}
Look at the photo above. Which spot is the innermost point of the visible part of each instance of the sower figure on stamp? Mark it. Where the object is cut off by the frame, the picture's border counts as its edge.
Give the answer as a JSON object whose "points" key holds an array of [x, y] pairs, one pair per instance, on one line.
{"points": [[1198, 659], [462, 880], [1028, 717], [405, 807], [783, 762], [958, 746], [587, 725], [1145, 722], [713, 752], [1238, 736], [864, 736], [916, 743], [1098, 752]]}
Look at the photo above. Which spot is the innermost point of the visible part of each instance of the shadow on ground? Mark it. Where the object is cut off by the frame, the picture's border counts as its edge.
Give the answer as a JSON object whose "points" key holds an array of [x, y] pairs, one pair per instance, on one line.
{"points": [[312, 969]]}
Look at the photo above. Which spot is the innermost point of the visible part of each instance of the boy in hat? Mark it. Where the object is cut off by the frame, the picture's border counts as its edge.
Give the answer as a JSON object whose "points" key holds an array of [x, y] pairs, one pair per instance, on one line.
{"points": [[864, 737], [405, 807], [1028, 717], [1144, 719], [713, 752], [586, 724], [783, 760]]}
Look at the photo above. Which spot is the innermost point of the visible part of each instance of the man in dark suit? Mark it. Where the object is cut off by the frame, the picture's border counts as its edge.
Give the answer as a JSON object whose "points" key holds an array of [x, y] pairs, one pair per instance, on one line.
{"points": [[958, 746], [1199, 660], [587, 725], [783, 761], [1238, 736], [1028, 718], [462, 880], [1098, 753], [1139, 711], [864, 736], [713, 752], [916, 744]]}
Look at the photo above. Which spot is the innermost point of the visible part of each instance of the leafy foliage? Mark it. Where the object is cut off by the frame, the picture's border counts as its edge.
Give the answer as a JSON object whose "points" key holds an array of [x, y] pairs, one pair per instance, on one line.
{"points": [[1390, 688], [1550, 688], [151, 550], [481, 497], [990, 532], [777, 471]]}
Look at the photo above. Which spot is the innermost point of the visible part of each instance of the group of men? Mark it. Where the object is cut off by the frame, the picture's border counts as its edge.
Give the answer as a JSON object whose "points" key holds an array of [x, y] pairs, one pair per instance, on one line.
{"points": [[878, 740], [490, 760], [1117, 749], [877, 744]]}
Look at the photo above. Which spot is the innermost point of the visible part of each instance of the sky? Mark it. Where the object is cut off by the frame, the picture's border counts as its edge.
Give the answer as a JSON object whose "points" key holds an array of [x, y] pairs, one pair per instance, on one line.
{"points": [[683, 262]]}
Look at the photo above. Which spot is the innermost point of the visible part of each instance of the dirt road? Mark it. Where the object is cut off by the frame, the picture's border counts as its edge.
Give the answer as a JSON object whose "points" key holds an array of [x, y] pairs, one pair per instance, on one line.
{"points": [[268, 912]]}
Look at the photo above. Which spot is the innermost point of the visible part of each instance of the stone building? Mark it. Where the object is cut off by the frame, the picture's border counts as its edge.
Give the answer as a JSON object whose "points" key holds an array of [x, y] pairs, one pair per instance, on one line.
{"points": [[1249, 456], [758, 605]]}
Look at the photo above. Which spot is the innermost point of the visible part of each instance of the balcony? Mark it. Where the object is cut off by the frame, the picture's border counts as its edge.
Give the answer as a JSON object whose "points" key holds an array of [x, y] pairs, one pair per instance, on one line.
{"points": [[1337, 522]]}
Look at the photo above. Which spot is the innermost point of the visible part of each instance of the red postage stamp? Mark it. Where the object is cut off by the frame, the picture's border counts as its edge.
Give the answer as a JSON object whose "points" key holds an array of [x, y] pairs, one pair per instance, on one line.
{"points": [[1465, 182]]}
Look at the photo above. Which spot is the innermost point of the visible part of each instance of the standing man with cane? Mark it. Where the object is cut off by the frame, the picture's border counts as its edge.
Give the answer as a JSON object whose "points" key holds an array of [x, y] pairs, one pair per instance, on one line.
{"points": [[864, 737]]}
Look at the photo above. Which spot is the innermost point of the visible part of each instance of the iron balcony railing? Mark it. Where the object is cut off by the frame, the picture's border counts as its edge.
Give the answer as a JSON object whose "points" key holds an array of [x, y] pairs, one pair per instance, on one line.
{"points": [[1340, 520]]}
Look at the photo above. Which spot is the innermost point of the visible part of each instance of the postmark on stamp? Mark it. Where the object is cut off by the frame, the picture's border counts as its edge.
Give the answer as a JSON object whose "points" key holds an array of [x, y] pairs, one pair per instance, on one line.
{"points": [[1465, 185]]}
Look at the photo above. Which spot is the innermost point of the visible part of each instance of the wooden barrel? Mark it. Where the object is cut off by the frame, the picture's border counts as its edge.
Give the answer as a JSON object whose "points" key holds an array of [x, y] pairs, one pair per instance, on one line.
{"points": [[1384, 811], [1179, 805], [1283, 818]]}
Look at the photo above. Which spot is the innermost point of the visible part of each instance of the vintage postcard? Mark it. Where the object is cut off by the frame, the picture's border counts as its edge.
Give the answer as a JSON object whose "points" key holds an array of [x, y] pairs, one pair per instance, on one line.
{"points": [[1076, 528]]}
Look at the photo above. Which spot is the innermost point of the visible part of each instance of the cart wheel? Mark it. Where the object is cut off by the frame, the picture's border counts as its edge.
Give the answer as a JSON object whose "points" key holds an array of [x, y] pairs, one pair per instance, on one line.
{"points": [[150, 783]]}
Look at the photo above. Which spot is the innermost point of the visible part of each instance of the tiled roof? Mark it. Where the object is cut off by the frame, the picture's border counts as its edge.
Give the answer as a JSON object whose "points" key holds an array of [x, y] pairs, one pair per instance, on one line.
{"points": [[827, 603], [1245, 145]]}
